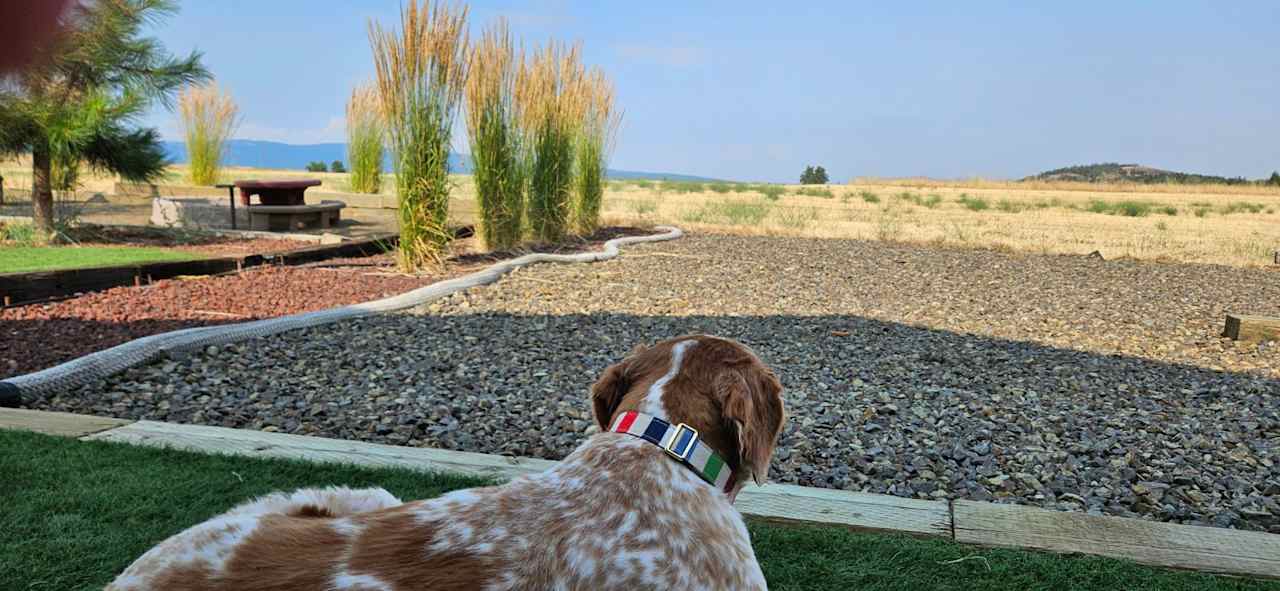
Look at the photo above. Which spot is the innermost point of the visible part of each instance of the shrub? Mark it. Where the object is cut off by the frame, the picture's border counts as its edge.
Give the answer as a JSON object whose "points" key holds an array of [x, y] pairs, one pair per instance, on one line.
{"points": [[974, 203], [930, 202], [643, 184], [365, 136], [815, 192], [1008, 206], [684, 186], [496, 144], [1241, 207], [772, 192], [22, 234], [1127, 208], [1274, 180], [719, 187], [317, 166], [868, 196], [209, 117], [337, 166], [420, 70], [734, 213]]}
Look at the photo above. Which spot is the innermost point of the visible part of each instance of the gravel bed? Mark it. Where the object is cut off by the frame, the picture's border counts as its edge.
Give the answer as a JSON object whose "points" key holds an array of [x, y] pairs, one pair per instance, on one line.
{"points": [[37, 336], [1058, 381]]}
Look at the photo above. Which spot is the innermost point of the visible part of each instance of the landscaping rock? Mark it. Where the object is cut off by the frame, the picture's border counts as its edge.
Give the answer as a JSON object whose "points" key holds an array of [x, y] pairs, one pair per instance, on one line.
{"points": [[1054, 381]]}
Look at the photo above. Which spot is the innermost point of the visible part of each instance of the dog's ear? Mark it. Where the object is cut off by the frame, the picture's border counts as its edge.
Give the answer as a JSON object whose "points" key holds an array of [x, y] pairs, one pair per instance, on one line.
{"points": [[755, 409], [607, 392]]}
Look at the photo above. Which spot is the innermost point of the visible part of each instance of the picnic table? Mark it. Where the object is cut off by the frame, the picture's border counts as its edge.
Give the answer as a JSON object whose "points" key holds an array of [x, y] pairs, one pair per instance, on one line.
{"points": [[283, 192]]}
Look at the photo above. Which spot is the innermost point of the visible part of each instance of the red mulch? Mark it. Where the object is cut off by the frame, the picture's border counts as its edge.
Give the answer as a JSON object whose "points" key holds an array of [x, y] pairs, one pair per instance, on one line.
{"points": [[37, 336]]}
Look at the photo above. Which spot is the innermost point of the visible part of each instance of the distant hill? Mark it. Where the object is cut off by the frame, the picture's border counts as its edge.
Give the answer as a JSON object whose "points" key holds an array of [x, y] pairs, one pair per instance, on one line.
{"points": [[261, 154], [1111, 172]]}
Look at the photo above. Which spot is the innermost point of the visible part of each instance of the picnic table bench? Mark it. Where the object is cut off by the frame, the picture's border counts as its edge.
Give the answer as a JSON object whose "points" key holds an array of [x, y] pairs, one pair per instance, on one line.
{"points": [[282, 206]]}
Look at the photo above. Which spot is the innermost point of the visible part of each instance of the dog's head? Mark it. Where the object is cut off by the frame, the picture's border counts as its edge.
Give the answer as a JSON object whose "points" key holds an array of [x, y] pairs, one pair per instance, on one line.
{"points": [[715, 385]]}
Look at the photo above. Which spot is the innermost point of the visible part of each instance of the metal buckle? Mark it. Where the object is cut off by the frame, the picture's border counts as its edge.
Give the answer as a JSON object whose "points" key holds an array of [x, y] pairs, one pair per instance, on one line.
{"points": [[682, 455]]}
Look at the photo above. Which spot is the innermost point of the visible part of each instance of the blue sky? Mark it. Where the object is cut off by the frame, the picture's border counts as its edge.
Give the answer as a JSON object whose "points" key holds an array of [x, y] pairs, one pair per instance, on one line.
{"points": [[755, 91]]}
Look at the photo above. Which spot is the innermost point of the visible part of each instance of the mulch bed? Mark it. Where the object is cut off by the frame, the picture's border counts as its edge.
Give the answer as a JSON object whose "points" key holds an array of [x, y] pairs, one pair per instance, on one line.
{"points": [[1057, 381], [37, 336]]}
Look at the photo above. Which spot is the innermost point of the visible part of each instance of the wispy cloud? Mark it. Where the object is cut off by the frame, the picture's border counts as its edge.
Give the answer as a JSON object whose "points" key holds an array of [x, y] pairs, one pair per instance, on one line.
{"points": [[680, 56]]}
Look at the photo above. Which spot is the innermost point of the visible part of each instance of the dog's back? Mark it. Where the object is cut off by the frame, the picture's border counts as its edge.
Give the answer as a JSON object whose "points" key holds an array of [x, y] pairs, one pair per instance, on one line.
{"points": [[618, 513]]}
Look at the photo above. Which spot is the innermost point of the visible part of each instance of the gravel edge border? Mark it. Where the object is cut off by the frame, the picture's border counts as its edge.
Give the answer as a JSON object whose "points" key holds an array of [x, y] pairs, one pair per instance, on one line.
{"points": [[104, 363]]}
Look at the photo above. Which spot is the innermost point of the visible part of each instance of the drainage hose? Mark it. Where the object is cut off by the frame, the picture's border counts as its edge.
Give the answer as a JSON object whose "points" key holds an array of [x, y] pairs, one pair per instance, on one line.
{"points": [[99, 365]]}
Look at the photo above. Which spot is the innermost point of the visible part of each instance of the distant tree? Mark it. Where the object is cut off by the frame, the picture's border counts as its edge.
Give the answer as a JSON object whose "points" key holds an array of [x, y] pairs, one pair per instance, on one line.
{"points": [[337, 166], [82, 101], [317, 166], [814, 175], [1275, 179]]}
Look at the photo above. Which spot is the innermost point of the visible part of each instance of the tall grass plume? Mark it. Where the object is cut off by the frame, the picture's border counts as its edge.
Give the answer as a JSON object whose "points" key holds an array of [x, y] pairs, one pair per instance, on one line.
{"points": [[209, 117], [549, 109], [365, 140], [496, 142], [421, 70], [600, 122]]}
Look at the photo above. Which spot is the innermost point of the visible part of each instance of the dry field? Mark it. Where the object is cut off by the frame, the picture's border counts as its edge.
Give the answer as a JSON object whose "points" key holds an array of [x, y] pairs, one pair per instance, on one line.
{"points": [[1222, 224], [1219, 224]]}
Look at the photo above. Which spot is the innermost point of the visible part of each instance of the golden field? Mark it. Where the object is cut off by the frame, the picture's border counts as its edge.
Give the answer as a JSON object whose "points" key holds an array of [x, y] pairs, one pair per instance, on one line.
{"points": [[1215, 225], [1221, 224]]}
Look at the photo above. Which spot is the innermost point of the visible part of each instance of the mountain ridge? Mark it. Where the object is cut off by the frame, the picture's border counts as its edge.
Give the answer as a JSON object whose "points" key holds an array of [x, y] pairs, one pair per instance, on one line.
{"points": [[1112, 172]]}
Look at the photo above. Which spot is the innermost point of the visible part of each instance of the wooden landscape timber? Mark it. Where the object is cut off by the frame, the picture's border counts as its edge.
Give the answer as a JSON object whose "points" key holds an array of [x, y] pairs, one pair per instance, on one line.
{"points": [[1252, 328], [1208, 549], [24, 288]]}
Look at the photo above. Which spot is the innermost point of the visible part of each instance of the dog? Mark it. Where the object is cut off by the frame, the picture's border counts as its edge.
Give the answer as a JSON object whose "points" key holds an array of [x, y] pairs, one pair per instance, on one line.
{"points": [[646, 503]]}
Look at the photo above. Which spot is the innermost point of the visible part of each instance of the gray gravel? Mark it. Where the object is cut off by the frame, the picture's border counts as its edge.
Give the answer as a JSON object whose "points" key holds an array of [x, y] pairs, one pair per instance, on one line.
{"points": [[1063, 382]]}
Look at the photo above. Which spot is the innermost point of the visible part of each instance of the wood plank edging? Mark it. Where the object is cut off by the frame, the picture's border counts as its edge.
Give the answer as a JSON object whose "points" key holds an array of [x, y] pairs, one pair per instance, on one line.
{"points": [[1155, 543], [261, 444], [63, 424]]}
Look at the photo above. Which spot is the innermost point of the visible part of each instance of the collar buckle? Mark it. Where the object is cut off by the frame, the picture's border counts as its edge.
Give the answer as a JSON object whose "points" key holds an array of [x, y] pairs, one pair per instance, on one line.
{"points": [[673, 444]]}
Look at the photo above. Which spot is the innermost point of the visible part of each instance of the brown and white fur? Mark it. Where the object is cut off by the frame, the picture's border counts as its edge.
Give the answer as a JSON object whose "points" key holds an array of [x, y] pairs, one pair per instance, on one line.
{"points": [[618, 513]]}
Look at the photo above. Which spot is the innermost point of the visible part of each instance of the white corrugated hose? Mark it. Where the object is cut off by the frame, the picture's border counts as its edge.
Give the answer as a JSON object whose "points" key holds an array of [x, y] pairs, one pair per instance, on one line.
{"points": [[101, 364]]}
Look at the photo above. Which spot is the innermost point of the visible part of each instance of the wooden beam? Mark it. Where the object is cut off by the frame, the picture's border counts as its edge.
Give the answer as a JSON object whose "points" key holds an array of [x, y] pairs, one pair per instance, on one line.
{"points": [[1252, 328], [1171, 545], [319, 449], [798, 504], [56, 423]]}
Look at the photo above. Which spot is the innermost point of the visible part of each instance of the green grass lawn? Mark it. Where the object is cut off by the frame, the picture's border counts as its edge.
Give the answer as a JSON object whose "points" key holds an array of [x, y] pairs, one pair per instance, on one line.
{"points": [[73, 514], [22, 259]]}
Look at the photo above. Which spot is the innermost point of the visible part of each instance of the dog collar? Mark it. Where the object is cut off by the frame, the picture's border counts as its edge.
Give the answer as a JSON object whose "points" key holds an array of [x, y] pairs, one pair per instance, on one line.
{"points": [[680, 442]]}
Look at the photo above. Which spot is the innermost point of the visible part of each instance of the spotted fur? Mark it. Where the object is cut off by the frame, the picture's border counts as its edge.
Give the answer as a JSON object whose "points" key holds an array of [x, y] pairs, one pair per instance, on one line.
{"points": [[616, 514]]}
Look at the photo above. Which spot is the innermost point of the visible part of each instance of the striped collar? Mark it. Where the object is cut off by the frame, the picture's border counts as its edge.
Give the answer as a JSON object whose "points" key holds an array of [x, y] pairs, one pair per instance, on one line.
{"points": [[680, 442]]}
